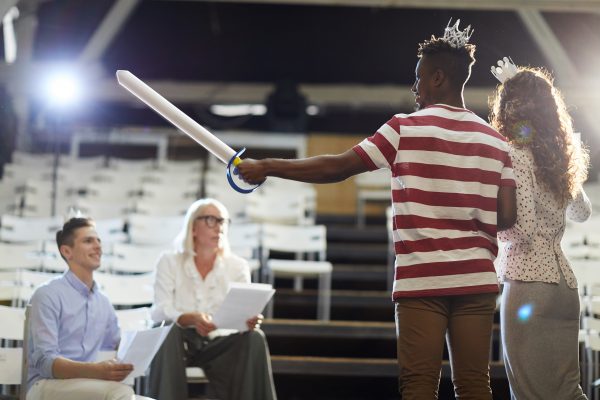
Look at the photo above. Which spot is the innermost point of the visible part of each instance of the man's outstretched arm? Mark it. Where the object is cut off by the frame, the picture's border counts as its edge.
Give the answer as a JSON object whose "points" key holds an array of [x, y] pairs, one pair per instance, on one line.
{"points": [[318, 169]]}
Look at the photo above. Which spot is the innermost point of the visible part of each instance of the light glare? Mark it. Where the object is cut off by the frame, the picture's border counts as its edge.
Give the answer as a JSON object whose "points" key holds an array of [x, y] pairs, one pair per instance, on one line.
{"points": [[63, 89]]}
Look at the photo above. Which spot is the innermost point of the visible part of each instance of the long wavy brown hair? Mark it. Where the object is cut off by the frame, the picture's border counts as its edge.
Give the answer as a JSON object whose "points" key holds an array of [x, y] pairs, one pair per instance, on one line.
{"points": [[530, 112]]}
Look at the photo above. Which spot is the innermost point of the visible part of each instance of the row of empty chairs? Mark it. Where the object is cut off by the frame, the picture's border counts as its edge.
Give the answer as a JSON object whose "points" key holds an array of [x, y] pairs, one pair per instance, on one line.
{"points": [[121, 187], [27, 243]]}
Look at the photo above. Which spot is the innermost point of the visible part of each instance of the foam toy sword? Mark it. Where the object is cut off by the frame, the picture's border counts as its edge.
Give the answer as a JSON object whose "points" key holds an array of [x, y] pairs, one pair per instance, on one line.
{"points": [[187, 125]]}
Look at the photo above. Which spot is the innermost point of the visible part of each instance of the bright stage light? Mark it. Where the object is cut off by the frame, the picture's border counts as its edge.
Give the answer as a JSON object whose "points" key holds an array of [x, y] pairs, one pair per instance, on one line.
{"points": [[62, 89]]}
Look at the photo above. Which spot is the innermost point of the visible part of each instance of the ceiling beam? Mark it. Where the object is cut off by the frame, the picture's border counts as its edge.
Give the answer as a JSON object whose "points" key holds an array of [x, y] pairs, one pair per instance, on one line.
{"points": [[107, 30], [353, 96], [549, 44], [492, 5]]}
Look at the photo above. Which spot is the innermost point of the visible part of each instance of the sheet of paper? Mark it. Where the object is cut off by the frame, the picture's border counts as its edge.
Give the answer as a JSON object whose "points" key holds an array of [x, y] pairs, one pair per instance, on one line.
{"points": [[242, 302], [139, 347]]}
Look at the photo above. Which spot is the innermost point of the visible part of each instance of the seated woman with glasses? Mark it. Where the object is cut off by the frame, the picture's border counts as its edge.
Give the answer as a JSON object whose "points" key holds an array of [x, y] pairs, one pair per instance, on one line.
{"points": [[191, 283]]}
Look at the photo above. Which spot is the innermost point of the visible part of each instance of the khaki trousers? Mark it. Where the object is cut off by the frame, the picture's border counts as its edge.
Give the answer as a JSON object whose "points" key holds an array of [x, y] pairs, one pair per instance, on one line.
{"points": [[77, 389], [422, 325]]}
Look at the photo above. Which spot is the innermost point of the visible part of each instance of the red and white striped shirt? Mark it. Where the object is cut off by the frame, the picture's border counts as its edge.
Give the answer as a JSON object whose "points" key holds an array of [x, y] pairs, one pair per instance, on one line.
{"points": [[447, 166]]}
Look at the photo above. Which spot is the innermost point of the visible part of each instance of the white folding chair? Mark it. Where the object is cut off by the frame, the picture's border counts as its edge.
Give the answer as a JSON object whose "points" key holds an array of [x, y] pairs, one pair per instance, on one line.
{"points": [[103, 208], [153, 230], [134, 319], [128, 164], [111, 230], [216, 187], [9, 286], [20, 255], [180, 166], [244, 240], [371, 186], [591, 327], [305, 242], [125, 291], [277, 188], [162, 207], [37, 160], [27, 283], [190, 181], [51, 258], [12, 331], [133, 258], [28, 229], [278, 209]]}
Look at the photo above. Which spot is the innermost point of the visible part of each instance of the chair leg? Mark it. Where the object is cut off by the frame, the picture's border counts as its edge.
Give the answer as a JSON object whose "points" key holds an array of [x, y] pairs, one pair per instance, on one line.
{"points": [[589, 372], [298, 283], [271, 305], [360, 213], [324, 297]]}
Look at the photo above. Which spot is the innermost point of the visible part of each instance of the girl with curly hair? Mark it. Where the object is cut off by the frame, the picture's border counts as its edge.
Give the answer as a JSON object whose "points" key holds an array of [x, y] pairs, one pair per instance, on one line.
{"points": [[540, 303]]}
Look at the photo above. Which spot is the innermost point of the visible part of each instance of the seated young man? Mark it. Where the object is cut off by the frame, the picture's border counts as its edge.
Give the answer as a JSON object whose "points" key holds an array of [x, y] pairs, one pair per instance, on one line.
{"points": [[71, 321]]}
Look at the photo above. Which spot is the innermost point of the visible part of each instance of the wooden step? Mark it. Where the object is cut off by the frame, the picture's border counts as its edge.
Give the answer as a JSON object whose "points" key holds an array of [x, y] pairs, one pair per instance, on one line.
{"points": [[329, 329], [353, 253], [310, 328], [341, 366]]}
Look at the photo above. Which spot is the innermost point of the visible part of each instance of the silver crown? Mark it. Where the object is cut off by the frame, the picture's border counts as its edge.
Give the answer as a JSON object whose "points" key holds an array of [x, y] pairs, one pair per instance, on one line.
{"points": [[455, 37], [506, 69]]}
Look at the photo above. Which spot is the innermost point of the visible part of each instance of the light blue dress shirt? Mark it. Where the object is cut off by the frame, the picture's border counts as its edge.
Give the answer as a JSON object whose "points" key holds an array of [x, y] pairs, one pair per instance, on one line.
{"points": [[71, 321]]}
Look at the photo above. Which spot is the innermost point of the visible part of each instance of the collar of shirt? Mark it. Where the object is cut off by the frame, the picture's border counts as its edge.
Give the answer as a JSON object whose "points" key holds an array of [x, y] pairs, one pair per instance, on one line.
{"points": [[192, 272], [78, 285]]}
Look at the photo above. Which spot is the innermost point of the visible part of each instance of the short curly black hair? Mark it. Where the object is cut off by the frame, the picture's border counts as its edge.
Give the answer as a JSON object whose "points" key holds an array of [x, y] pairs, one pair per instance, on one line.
{"points": [[455, 61]]}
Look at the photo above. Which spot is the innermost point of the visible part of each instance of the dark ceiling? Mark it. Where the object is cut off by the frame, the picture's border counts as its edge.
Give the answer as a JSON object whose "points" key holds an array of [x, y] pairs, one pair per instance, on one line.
{"points": [[262, 43]]}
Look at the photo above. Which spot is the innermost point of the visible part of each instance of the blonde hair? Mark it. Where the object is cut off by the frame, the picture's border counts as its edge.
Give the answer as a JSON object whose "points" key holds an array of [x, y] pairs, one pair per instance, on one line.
{"points": [[184, 241], [529, 102]]}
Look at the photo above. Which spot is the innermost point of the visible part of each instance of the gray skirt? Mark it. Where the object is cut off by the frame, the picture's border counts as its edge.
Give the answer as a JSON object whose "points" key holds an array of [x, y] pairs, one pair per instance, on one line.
{"points": [[540, 327]]}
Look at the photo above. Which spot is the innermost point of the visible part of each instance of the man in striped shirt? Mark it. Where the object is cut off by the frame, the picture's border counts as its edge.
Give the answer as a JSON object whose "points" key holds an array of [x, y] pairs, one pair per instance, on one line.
{"points": [[452, 189]]}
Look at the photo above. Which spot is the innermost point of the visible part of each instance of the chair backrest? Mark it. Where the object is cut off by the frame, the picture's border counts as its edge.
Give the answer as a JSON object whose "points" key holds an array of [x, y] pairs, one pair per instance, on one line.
{"points": [[162, 207], [28, 229], [134, 319], [133, 258], [8, 285], [51, 259], [216, 187], [147, 229], [127, 290], [11, 358], [38, 160], [113, 190], [295, 239], [128, 164], [282, 209], [111, 230], [28, 281], [103, 208], [245, 238], [182, 166], [171, 189], [20, 255], [586, 271], [191, 180]]}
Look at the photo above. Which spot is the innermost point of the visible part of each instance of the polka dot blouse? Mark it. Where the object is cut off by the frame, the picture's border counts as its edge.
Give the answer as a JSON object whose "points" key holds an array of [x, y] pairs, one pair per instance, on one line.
{"points": [[533, 252]]}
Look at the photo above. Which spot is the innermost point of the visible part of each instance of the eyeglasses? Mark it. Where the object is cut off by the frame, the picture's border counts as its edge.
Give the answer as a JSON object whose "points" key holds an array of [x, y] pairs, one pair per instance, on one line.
{"points": [[211, 221]]}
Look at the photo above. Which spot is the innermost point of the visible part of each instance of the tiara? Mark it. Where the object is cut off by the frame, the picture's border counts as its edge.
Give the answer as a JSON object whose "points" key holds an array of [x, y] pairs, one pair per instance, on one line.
{"points": [[455, 37], [505, 70]]}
